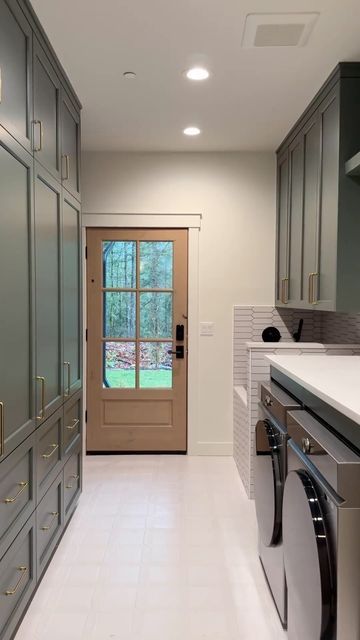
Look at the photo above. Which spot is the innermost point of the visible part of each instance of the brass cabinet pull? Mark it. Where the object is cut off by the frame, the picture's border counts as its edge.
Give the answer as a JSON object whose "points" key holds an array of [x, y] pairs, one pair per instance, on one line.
{"points": [[286, 295], [284, 285], [310, 292], [54, 514], [22, 486], [41, 134], [41, 414], [66, 157], [314, 288], [54, 447], [2, 428], [71, 486], [73, 426], [67, 364], [11, 592]]}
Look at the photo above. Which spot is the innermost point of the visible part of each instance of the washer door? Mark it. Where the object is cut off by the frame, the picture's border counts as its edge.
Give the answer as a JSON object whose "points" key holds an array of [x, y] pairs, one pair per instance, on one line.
{"points": [[268, 484], [307, 559]]}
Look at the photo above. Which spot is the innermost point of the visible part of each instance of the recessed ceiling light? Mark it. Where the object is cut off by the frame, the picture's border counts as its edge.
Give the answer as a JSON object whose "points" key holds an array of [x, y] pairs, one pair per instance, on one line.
{"points": [[192, 131], [197, 73], [130, 75]]}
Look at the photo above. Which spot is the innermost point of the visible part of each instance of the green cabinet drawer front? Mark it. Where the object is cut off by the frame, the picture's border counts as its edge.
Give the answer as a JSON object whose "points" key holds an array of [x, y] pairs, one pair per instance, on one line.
{"points": [[17, 491], [49, 451], [72, 421], [17, 579], [15, 57], [72, 480], [49, 522]]}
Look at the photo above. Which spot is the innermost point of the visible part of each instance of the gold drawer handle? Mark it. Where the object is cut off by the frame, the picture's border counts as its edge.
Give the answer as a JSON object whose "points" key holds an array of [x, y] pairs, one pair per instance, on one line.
{"points": [[54, 514], [71, 486], [73, 426], [54, 447], [11, 592], [22, 486]]}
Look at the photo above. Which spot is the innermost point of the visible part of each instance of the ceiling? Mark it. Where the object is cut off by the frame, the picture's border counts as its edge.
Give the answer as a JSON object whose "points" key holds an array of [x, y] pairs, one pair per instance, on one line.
{"points": [[249, 103]]}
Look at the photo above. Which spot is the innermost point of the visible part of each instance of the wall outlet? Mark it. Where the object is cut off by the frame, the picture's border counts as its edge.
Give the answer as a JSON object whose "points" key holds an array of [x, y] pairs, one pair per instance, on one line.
{"points": [[207, 328]]}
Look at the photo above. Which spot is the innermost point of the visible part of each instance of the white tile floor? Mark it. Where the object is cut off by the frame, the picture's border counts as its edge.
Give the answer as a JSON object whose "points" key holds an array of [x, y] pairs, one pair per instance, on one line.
{"points": [[160, 547]]}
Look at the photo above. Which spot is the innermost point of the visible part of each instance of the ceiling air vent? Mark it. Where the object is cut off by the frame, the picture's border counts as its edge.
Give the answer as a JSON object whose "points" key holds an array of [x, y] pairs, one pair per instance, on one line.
{"points": [[278, 29]]}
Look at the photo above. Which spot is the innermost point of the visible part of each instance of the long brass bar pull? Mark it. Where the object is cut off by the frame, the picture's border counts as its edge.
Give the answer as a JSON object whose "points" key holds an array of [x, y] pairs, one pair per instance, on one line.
{"points": [[54, 514], [315, 288], [41, 413], [11, 592], [310, 292], [73, 426], [67, 392], [71, 486], [54, 447], [2, 428], [41, 134], [22, 486], [66, 157], [286, 292]]}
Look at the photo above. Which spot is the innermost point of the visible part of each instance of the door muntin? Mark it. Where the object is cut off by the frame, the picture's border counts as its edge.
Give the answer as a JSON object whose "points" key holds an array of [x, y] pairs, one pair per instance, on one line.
{"points": [[268, 483]]}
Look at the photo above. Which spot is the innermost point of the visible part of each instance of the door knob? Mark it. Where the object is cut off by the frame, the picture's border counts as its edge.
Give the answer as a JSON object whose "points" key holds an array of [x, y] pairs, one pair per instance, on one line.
{"points": [[179, 353]]}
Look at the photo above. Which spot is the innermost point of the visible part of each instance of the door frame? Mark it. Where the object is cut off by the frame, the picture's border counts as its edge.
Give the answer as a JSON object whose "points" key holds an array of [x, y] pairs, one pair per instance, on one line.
{"points": [[191, 222]]}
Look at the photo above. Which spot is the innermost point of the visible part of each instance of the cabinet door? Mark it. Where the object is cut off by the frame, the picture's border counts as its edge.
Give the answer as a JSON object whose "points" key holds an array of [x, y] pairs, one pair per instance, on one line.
{"points": [[49, 367], [326, 266], [15, 72], [17, 419], [311, 194], [282, 228], [296, 181], [46, 127], [70, 146], [72, 295]]}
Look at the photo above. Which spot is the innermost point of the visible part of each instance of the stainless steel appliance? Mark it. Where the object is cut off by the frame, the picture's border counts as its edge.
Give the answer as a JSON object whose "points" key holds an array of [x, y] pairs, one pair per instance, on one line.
{"points": [[321, 532], [270, 473]]}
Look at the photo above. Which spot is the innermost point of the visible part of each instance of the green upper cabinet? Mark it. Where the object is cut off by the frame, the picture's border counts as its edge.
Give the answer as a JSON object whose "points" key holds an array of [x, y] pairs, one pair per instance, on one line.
{"points": [[70, 146], [15, 72], [318, 222], [17, 411], [46, 124], [71, 278]]}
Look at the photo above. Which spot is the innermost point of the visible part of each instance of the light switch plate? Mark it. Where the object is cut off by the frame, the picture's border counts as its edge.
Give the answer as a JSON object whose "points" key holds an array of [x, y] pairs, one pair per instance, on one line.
{"points": [[207, 328]]}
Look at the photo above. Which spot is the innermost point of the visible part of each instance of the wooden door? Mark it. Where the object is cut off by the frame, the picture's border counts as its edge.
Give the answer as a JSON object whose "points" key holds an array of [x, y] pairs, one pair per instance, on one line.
{"points": [[282, 229], [70, 146], [136, 312], [71, 268], [17, 412], [15, 72], [49, 361], [46, 128]]}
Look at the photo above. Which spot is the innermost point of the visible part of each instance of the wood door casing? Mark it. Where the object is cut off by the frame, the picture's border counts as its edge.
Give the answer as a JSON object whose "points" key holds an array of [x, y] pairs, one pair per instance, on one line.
{"points": [[135, 419]]}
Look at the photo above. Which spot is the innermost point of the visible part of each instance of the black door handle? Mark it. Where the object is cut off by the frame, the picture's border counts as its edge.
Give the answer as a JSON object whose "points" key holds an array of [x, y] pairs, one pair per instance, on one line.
{"points": [[179, 353]]}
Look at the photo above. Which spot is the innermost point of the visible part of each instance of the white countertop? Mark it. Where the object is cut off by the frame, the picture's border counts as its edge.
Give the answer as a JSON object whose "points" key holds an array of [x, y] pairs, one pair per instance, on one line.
{"points": [[334, 379], [298, 345]]}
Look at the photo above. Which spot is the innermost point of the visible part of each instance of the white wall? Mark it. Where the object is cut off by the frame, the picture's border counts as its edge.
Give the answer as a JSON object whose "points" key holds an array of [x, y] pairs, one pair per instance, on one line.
{"points": [[235, 193]]}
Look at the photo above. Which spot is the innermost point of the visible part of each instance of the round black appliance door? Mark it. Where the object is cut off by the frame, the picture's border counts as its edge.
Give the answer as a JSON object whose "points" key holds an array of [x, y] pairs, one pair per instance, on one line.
{"points": [[307, 559], [267, 484]]}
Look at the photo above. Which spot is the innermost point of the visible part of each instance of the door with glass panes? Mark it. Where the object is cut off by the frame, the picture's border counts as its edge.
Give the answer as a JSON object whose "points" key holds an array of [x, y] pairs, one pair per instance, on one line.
{"points": [[137, 339]]}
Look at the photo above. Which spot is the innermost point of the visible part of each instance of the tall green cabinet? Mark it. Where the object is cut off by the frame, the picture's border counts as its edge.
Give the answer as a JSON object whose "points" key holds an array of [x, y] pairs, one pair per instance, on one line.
{"points": [[40, 307]]}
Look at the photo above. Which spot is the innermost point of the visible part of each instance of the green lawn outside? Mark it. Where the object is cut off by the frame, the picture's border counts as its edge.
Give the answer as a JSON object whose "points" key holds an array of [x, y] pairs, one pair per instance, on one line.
{"points": [[152, 379]]}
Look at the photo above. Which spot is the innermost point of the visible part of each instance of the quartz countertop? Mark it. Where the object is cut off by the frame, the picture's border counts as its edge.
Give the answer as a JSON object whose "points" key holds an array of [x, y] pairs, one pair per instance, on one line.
{"points": [[298, 345], [334, 379]]}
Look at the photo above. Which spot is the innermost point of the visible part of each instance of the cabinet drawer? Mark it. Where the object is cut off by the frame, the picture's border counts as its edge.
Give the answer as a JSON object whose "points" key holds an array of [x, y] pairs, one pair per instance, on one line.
{"points": [[48, 452], [72, 421], [72, 480], [49, 522], [17, 579], [17, 491]]}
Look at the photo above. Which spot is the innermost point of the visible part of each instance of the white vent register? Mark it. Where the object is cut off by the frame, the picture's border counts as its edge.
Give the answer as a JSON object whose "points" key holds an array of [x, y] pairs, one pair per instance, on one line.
{"points": [[278, 29]]}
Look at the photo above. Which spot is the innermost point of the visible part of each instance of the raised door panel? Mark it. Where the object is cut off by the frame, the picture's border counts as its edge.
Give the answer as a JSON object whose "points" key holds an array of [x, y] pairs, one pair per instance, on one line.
{"points": [[72, 422], [325, 281], [49, 521], [15, 72], [70, 146], [311, 196], [282, 228], [49, 451], [72, 480], [17, 414], [46, 129], [49, 365], [72, 295], [296, 167]]}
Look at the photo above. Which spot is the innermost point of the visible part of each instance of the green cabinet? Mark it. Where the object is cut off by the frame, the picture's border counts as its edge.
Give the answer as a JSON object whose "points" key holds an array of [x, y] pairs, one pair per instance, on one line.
{"points": [[70, 145], [317, 225]]}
